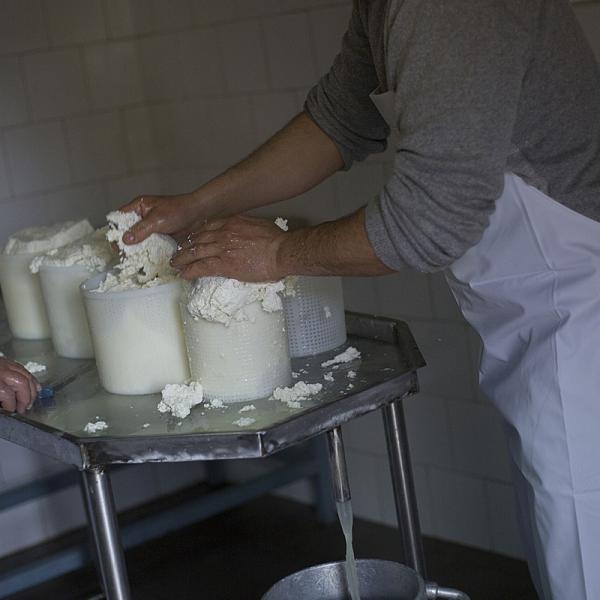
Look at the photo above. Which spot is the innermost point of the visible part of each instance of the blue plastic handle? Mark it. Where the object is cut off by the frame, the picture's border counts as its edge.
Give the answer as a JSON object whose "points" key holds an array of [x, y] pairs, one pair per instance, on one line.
{"points": [[45, 393]]}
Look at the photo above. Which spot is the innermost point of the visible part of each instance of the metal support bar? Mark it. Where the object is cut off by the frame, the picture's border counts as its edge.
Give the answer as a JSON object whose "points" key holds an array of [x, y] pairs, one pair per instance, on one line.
{"points": [[404, 489], [106, 534], [337, 462], [158, 524], [92, 535], [435, 592]]}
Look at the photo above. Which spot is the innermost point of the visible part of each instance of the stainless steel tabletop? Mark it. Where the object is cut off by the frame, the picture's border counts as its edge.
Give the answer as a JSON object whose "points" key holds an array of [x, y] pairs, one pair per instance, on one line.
{"points": [[138, 433]]}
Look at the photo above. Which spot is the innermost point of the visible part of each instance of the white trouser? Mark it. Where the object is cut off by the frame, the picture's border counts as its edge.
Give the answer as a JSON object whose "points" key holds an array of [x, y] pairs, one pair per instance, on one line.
{"points": [[531, 288]]}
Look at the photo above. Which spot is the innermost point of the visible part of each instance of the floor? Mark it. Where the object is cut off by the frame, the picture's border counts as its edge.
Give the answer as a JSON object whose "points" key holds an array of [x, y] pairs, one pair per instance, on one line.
{"points": [[238, 555]]}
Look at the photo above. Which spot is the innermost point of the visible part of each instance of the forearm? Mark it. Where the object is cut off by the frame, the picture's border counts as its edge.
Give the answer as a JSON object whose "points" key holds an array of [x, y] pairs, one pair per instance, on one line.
{"points": [[294, 160], [339, 247]]}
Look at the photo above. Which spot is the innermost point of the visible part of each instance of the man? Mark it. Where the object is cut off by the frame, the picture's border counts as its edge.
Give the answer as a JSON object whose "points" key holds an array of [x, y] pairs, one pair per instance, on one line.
{"points": [[496, 107], [18, 387]]}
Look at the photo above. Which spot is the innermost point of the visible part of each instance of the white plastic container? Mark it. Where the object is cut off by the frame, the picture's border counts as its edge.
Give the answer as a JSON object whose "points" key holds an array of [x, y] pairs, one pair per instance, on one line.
{"points": [[137, 337], [315, 315], [22, 295], [66, 312], [244, 360]]}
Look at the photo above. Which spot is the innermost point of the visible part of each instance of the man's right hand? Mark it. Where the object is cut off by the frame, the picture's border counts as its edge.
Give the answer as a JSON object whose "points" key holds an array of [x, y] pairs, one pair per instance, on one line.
{"points": [[294, 160], [171, 215]]}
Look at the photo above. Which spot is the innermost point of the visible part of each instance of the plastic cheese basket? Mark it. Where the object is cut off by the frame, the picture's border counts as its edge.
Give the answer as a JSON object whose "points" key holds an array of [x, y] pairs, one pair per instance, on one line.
{"points": [[66, 311], [137, 336], [22, 295], [244, 360], [315, 315]]}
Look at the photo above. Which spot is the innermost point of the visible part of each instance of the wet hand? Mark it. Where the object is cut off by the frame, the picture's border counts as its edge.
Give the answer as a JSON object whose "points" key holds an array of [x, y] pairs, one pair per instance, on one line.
{"points": [[240, 247], [172, 215], [18, 387]]}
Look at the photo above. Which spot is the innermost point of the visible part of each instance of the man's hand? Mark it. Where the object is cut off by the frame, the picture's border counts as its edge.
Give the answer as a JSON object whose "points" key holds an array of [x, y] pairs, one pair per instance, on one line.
{"points": [[251, 249], [241, 247], [18, 387], [293, 161], [172, 215]]}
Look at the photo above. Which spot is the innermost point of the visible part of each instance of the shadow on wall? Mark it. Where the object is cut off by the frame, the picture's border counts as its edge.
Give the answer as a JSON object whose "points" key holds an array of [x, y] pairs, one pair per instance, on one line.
{"points": [[588, 15]]}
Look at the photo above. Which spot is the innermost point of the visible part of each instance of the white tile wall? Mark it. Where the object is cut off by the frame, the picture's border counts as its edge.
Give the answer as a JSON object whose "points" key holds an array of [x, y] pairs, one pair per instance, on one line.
{"points": [[4, 184], [74, 22], [37, 157], [503, 518], [129, 17], [290, 56], [126, 188], [459, 508], [27, 211], [230, 118], [428, 430], [55, 81], [243, 56], [22, 26], [13, 101], [478, 440], [87, 200], [108, 99], [113, 74], [328, 26], [183, 133], [207, 12], [202, 63], [141, 139], [175, 14], [162, 68], [405, 294], [449, 364], [97, 146]]}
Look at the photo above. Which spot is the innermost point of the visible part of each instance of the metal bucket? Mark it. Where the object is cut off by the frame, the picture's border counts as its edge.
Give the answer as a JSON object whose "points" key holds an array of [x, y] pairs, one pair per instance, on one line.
{"points": [[378, 580]]}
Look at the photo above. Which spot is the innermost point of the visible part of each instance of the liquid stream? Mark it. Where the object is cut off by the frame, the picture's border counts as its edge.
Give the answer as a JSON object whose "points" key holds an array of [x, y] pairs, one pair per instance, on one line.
{"points": [[344, 510]]}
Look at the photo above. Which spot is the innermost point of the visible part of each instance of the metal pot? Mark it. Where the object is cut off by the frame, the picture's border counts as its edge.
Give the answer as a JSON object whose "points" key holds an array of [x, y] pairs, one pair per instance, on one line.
{"points": [[378, 580]]}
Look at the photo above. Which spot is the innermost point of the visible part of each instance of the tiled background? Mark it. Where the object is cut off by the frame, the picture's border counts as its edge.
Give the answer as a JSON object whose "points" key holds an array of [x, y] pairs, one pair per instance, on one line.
{"points": [[106, 99]]}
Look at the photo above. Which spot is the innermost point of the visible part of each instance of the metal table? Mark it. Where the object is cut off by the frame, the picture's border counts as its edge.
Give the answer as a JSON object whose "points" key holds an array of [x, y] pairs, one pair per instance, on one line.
{"points": [[138, 433]]}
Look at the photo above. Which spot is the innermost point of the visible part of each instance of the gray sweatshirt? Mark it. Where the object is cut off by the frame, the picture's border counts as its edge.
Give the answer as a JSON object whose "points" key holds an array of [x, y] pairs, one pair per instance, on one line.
{"points": [[483, 87]]}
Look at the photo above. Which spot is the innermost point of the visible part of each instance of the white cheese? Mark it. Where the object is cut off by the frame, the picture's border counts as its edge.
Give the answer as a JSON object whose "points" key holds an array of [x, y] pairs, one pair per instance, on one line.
{"points": [[244, 421], [36, 240], [292, 396], [179, 399], [348, 355], [282, 223], [223, 300], [94, 427], [91, 251], [34, 367], [141, 265]]}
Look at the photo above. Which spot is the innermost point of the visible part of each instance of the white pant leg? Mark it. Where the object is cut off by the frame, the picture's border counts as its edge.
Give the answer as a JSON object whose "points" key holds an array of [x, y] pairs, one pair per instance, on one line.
{"points": [[532, 290]]}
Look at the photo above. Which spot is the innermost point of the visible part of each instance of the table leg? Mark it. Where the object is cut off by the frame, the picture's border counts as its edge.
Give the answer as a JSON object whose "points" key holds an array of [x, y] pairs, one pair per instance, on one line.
{"points": [[92, 534], [403, 484], [103, 522], [337, 462]]}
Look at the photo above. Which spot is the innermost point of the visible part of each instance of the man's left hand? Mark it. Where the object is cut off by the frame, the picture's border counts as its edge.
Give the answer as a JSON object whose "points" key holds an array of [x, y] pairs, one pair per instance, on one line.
{"points": [[241, 247]]}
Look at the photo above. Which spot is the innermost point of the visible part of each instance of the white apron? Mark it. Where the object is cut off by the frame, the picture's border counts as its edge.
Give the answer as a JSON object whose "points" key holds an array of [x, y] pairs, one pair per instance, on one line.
{"points": [[531, 289]]}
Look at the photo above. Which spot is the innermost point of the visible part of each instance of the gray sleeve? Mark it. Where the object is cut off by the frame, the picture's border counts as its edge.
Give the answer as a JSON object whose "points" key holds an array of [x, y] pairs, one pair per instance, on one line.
{"points": [[340, 104], [457, 69]]}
